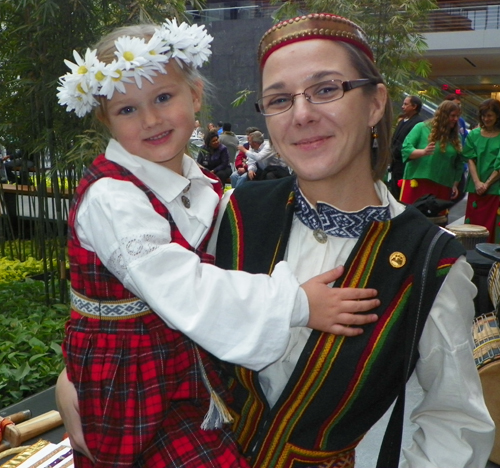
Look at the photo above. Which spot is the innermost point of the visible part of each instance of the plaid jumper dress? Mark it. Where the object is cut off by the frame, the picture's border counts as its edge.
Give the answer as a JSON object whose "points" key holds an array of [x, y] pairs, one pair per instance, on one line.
{"points": [[141, 396]]}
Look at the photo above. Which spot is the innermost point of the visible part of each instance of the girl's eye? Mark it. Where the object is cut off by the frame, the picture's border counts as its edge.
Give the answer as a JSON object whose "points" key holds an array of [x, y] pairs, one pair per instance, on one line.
{"points": [[126, 110], [164, 97]]}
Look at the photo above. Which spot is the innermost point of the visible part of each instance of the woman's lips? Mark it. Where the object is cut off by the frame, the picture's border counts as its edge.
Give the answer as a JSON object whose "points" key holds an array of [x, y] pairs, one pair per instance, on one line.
{"points": [[311, 141]]}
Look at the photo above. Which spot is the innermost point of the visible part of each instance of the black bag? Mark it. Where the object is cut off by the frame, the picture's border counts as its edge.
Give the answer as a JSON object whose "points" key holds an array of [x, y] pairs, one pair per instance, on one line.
{"points": [[431, 206]]}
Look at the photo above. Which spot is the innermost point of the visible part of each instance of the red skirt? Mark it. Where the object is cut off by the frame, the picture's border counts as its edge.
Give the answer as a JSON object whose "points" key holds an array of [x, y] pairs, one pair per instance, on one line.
{"points": [[423, 187], [483, 211], [141, 397]]}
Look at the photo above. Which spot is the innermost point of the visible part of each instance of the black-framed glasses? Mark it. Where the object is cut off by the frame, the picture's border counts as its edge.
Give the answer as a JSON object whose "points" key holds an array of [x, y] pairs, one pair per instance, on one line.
{"points": [[319, 93]]}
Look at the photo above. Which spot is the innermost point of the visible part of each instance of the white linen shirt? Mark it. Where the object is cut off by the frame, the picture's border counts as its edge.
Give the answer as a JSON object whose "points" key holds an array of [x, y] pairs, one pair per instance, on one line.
{"points": [[265, 156], [216, 308], [455, 429]]}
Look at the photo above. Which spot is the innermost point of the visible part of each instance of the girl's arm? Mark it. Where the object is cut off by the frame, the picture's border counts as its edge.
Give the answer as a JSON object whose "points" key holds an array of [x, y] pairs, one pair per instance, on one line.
{"points": [[239, 317]]}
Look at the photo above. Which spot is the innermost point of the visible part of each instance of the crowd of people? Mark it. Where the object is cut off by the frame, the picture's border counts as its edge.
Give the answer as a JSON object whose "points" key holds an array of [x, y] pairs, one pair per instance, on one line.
{"points": [[339, 292], [443, 158]]}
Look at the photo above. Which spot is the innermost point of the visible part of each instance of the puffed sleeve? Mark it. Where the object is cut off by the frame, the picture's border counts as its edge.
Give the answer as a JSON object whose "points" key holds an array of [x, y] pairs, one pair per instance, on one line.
{"points": [[216, 308], [455, 429], [414, 140], [470, 149]]}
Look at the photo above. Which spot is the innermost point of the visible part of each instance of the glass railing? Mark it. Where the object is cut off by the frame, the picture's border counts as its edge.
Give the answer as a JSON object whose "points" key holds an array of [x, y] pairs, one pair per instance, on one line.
{"points": [[469, 17]]}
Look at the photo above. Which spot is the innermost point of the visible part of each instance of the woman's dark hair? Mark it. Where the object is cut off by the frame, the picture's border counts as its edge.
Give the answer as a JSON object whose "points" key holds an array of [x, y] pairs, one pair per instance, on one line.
{"points": [[367, 69], [489, 105], [208, 138]]}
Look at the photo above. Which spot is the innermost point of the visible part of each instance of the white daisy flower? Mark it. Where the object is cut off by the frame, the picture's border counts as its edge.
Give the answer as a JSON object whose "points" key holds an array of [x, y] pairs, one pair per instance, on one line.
{"points": [[131, 51], [136, 60], [115, 76]]}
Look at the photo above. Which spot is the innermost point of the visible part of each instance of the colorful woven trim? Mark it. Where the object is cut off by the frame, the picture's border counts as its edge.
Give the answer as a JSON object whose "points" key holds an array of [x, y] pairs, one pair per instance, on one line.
{"points": [[236, 226], [313, 26], [276, 452], [108, 310]]}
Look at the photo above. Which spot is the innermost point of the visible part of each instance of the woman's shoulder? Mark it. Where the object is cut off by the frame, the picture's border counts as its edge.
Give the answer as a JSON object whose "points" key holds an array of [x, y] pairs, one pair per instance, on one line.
{"points": [[420, 126]]}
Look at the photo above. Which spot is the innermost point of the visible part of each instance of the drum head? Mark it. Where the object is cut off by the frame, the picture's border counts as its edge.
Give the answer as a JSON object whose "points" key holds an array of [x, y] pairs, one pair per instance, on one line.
{"points": [[464, 229], [490, 377]]}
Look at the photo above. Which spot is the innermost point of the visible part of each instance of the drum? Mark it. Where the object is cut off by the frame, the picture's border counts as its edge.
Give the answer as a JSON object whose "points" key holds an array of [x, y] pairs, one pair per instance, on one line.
{"points": [[494, 284], [439, 220], [486, 334], [469, 234]]}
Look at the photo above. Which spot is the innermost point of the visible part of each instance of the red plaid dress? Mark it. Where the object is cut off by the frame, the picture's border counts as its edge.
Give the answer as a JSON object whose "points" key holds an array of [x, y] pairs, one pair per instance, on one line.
{"points": [[141, 396]]}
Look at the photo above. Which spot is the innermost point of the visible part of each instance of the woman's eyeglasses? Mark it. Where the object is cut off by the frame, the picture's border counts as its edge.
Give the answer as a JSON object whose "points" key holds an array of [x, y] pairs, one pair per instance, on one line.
{"points": [[320, 93]]}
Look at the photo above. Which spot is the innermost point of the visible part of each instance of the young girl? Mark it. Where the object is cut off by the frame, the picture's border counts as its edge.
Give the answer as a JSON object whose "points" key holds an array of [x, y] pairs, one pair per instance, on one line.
{"points": [[138, 228]]}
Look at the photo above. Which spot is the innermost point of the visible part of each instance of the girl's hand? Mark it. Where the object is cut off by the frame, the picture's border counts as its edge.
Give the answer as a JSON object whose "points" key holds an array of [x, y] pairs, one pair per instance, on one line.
{"points": [[335, 310], [67, 403]]}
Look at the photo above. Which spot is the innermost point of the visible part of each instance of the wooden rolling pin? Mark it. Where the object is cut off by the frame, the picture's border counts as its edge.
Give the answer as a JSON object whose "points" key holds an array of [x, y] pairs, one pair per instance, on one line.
{"points": [[16, 417], [16, 434]]}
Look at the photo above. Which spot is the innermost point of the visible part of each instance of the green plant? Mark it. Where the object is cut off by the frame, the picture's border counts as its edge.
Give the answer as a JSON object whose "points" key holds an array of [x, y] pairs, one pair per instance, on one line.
{"points": [[32, 333]]}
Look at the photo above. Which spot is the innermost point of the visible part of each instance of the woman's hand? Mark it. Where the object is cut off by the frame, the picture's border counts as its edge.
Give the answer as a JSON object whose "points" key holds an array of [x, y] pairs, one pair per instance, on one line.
{"points": [[481, 187], [67, 403], [335, 310], [429, 149]]}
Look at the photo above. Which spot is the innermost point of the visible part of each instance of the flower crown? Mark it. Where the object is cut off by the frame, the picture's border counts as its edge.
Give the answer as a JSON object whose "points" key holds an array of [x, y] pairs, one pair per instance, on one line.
{"points": [[136, 59]]}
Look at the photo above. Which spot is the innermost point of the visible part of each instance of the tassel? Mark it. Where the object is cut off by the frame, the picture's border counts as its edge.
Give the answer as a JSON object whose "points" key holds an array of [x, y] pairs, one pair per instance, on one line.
{"points": [[217, 413]]}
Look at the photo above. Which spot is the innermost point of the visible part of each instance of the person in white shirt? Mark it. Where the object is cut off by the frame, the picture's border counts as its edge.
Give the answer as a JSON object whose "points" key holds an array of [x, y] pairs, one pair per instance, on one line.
{"points": [[263, 161], [145, 292]]}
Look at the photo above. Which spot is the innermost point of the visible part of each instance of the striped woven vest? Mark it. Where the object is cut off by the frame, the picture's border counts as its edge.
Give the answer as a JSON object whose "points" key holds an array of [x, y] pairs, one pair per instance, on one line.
{"points": [[340, 386]]}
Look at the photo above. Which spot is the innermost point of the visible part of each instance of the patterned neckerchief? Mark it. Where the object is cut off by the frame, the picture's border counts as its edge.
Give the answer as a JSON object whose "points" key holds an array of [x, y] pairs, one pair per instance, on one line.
{"points": [[334, 222]]}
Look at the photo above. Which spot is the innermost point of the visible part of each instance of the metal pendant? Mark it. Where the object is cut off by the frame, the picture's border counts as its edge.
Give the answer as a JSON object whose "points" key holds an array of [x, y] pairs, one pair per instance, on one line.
{"points": [[185, 201], [320, 236]]}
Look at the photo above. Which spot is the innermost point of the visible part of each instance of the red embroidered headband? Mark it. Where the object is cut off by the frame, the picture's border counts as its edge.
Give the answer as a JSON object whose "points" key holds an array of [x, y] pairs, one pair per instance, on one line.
{"points": [[313, 26]]}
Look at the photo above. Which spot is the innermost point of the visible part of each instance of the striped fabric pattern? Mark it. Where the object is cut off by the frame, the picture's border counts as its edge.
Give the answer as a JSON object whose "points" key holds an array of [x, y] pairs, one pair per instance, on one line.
{"points": [[336, 392]]}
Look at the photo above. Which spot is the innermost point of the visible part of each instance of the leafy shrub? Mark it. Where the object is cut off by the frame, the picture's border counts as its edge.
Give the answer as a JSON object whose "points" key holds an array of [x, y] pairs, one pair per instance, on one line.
{"points": [[15, 270], [32, 332]]}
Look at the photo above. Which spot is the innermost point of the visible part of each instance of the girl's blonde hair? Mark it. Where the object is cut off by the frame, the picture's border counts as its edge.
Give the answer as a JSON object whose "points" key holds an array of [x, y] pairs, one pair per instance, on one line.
{"points": [[440, 127]]}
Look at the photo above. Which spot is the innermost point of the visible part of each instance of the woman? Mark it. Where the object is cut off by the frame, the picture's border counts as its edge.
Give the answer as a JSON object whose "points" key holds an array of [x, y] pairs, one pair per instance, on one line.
{"points": [[431, 152], [322, 98], [325, 105], [482, 149], [215, 157]]}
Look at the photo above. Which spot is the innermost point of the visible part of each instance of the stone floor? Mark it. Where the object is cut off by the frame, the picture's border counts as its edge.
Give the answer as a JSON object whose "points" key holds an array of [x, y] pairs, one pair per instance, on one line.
{"points": [[367, 451]]}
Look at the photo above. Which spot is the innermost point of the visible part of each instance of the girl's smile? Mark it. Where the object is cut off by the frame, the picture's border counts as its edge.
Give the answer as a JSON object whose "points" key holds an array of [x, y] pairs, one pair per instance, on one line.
{"points": [[155, 122]]}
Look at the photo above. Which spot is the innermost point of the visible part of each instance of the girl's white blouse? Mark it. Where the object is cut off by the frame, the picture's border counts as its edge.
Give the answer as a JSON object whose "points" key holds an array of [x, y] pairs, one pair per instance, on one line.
{"points": [[223, 311]]}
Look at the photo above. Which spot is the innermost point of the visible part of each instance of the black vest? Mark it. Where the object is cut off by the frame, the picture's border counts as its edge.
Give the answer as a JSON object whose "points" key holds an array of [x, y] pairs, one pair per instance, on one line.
{"points": [[340, 386]]}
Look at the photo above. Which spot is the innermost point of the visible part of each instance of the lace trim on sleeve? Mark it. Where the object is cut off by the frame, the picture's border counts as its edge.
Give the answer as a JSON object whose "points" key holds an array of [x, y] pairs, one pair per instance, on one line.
{"points": [[131, 249]]}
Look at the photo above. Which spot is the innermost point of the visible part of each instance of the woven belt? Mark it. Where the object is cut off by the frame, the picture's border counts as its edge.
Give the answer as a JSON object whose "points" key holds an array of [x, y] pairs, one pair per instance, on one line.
{"points": [[108, 310]]}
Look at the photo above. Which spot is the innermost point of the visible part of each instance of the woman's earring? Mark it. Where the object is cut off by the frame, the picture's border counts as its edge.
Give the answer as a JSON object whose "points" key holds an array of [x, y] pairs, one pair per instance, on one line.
{"points": [[374, 137], [374, 147]]}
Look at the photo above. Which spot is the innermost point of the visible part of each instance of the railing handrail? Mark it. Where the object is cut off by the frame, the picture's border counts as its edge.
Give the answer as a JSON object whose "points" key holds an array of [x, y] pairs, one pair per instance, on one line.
{"points": [[461, 17]]}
